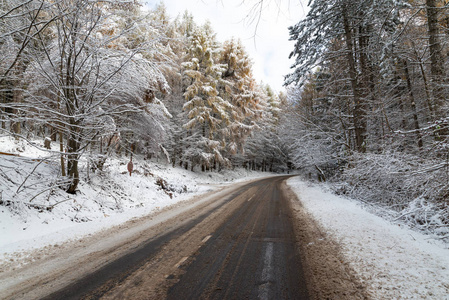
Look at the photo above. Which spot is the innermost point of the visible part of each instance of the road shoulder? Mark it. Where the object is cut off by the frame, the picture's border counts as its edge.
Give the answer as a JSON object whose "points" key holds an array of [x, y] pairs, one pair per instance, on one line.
{"points": [[328, 275]]}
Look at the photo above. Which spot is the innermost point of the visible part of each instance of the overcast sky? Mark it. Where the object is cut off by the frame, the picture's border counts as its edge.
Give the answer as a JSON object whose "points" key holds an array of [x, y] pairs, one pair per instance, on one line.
{"points": [[267, 45]]}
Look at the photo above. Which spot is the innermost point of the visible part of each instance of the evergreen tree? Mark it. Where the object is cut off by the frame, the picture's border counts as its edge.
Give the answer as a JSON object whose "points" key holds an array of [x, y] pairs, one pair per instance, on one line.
{"points": [[265, 150], [241, 91], [207, 111]]}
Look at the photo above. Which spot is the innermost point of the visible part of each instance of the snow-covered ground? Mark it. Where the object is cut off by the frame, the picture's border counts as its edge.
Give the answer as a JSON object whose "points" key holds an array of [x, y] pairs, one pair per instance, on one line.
{"points": [[112, 197], [393, 261]]}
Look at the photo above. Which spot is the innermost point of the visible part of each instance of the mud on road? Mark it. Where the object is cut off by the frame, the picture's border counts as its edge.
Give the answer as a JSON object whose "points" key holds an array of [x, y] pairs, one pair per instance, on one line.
{"points": [[170, 242], [329, 275]]}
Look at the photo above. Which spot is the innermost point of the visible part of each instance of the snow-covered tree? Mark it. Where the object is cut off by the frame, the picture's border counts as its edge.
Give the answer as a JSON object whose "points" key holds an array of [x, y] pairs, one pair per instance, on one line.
{"points": [[241, 91], [207, 111], [86, 77], [265, 150], [21, 23], [358, 29]]}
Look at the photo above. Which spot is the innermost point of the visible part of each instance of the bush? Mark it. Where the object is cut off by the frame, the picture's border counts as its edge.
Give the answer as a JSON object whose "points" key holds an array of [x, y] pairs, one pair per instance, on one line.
{"points": [[415, 189]]}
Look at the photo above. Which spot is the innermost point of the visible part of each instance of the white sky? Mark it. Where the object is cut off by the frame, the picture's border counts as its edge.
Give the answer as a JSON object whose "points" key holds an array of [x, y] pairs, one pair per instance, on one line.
{"points": [[269, 49]]}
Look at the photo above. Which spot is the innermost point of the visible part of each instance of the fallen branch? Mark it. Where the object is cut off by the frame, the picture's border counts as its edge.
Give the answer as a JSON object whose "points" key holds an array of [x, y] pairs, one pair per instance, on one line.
{"points": [[30, 205], [40, 207], [444, 237], [28, 176], [406, 214], [9, 154]]}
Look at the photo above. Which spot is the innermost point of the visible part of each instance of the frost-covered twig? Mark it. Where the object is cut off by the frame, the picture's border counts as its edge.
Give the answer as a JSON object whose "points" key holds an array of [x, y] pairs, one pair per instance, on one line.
{"points": [[32, 171], [50, 188], [444, 237], [7, 177]]}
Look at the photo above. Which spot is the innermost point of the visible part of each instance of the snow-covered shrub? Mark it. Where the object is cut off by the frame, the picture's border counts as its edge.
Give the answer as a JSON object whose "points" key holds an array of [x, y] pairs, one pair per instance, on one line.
{"points": [[426, 215], [416, 190]]}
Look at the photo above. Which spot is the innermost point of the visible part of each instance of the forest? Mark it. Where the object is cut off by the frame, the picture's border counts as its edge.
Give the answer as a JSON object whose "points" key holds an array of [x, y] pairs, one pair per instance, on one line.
{"points": [[112, 78], [365, 106], [371, 111]]}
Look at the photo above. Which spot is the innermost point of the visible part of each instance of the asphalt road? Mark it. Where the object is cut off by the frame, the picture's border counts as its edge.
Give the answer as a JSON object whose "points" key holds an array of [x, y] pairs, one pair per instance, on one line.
{"points": [[241, 246], [252, 255]]}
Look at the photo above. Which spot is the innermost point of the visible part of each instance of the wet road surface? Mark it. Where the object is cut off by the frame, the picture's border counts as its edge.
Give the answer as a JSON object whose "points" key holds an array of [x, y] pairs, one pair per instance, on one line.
{"points": [[250, 256], [241, 246]]}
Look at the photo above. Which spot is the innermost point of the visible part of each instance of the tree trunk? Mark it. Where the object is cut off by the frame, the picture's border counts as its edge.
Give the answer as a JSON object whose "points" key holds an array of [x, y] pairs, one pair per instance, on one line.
{"points": [[17, 98], [412, 104], [61, 149], [365, 86], [436, 57], [426, 89], [358, 112], [53, 133], [72, 160]]}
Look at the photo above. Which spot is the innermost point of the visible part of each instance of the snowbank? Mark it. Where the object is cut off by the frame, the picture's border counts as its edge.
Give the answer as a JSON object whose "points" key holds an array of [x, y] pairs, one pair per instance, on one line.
{"points": [[394, 262]]}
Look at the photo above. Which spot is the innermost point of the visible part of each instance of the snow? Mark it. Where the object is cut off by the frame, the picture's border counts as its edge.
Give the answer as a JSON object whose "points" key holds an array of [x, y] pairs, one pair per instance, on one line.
{"points": [[394, 262], [112, 197]]}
